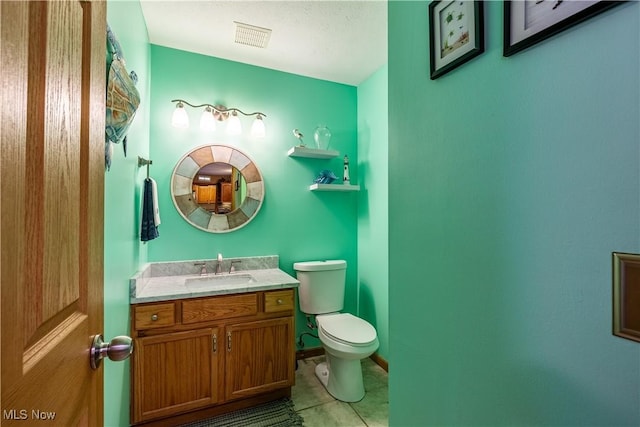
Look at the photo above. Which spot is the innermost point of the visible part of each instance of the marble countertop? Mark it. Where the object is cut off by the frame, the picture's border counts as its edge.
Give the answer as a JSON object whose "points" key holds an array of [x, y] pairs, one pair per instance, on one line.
{"points": [[155, 282]]}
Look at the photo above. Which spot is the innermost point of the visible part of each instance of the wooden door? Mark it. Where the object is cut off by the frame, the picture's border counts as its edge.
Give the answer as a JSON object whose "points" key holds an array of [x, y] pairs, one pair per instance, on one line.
{"points": [[227, 192], [260, 357], [51, 175], [175, 373]]}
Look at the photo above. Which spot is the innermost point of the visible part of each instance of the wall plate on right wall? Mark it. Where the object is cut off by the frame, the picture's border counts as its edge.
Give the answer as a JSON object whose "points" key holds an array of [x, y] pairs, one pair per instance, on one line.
{"points": [[626, 296]]}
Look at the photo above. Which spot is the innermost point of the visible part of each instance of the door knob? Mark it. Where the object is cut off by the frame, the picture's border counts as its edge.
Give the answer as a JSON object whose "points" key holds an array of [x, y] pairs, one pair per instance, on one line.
{"points": [[117, 349]]}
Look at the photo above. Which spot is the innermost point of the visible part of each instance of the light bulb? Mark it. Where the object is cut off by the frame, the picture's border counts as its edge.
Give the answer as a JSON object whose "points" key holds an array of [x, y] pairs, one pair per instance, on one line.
{"points": [[180, 119], [257, 128], [207, 121], [234, 127]]}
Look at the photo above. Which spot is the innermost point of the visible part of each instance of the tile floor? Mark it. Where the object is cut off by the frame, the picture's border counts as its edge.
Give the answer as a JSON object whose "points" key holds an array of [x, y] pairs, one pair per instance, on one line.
{"points": [[319, 409]]}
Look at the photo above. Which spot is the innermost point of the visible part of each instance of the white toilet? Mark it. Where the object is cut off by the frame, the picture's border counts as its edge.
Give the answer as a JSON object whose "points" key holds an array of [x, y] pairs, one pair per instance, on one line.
{"points": [[346, 338]]}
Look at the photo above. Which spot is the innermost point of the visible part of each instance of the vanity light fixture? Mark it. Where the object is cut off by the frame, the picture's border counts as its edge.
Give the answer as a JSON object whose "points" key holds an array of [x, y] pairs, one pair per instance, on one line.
{"points": [[234, 127], [207, 121], [257, 128], [220, 113], [180, 119]]}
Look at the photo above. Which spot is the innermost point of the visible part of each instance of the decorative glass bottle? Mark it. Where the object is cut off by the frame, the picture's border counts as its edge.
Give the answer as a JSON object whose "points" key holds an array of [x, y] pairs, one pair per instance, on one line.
{"points": [[322, 136]]}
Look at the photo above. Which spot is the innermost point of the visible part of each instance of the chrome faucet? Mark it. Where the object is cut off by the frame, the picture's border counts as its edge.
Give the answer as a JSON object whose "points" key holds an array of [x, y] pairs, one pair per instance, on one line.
{"points": [[231, 267], [219, 264], [203, 268]]}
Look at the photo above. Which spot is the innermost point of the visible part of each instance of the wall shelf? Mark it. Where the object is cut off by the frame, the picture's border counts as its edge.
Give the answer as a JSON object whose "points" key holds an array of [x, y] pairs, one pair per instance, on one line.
{"points": [[313, 153], [334, 187]]}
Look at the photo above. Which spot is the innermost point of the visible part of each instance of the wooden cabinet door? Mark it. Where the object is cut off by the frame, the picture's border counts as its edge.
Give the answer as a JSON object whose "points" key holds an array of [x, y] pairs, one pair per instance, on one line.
{"points": [[260, 357], [174, 373], [195, 190], [205, 194], [211, 193]]}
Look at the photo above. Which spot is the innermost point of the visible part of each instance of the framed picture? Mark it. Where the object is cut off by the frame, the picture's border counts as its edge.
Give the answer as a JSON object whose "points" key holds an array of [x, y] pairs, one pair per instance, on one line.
{"points": [[456, 34], [527, 22], [626, 296]]}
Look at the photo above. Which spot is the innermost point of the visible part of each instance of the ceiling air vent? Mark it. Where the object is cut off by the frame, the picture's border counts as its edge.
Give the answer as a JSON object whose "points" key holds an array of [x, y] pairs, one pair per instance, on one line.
{"points": [[251, 35]]}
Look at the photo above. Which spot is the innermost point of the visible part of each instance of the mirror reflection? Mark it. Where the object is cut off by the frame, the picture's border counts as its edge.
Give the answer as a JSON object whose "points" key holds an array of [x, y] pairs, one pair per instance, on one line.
{"points": [[219, 188]]}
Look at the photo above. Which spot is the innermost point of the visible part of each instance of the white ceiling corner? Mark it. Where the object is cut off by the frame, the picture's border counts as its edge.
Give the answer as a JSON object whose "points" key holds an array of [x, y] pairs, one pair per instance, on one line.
{"points": [[342, 41]]}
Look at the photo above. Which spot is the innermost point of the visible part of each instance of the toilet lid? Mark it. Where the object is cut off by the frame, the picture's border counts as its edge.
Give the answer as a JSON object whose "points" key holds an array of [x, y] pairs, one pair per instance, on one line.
{"points": [[349, 328]]}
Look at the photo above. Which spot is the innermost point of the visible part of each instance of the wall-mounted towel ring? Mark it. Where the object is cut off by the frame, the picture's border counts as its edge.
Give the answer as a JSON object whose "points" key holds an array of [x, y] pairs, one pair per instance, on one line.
{"points": [[144, 162]]}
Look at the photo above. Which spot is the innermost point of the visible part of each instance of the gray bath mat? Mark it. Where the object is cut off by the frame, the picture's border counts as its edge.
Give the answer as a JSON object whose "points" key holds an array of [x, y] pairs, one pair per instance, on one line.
{"points": [[279, 413]]}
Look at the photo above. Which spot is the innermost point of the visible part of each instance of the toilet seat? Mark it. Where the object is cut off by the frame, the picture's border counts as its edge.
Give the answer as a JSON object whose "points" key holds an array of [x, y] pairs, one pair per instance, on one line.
{"points": [[347, 329]]}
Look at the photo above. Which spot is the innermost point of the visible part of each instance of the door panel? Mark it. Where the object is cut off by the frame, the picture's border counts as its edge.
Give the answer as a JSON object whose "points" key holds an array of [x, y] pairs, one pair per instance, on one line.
{"points": [[52, 177], [54, 102]]}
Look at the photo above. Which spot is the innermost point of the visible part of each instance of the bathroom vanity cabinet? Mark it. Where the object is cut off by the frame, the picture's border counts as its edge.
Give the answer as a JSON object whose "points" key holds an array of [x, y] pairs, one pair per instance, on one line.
{"points": [[197, 353]]}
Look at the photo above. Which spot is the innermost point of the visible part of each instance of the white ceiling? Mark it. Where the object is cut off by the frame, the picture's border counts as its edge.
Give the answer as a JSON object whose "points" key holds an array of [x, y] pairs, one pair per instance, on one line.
{"points": [[342, 41]]}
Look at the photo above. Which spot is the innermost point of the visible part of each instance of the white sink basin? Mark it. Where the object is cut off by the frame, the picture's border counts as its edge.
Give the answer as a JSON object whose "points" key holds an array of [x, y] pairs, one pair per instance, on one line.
{"points": [[214, 282]]}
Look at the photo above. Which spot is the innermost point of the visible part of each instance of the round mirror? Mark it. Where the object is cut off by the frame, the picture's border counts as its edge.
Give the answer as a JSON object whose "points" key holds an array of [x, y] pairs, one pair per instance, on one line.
{"points": [[217, 188]]}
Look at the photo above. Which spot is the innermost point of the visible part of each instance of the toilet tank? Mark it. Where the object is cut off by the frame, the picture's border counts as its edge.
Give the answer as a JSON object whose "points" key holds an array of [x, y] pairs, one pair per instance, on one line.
{"points": [[321, 285]]}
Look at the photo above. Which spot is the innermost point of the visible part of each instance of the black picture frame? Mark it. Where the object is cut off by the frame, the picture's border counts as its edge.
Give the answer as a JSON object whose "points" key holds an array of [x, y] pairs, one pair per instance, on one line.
{"points": [[467, 36], [551, 20]]}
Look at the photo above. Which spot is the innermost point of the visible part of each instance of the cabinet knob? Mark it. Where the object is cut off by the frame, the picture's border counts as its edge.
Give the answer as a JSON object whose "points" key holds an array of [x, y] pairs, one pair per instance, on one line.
{"points": [[279, 301], [154, 317]]}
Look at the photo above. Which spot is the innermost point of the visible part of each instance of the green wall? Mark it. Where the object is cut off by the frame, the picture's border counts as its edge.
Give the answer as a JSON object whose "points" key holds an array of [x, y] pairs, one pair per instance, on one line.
{"points": [[524, 177], [373, 206], [123, 251], [294, 223]]}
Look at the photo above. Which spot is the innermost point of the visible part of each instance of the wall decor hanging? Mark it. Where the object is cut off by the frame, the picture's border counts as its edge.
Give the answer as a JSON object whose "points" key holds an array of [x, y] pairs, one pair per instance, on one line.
{"points": [[122, 98], [531, 21], [456, 34], [217, 188]]}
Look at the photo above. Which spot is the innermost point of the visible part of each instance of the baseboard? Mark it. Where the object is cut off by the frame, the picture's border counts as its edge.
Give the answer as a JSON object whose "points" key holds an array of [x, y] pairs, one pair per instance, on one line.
{"points": [[380, 361], [310, 352], [319, 351]]}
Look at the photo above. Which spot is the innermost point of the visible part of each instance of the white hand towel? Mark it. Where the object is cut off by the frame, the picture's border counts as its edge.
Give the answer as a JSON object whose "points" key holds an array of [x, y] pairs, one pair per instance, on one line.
{"points": [[156, 209]]}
